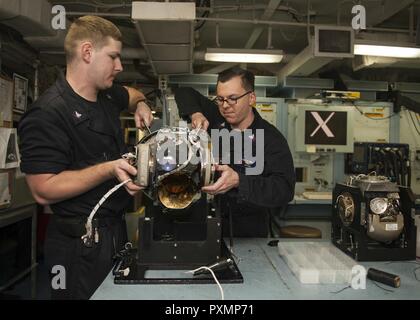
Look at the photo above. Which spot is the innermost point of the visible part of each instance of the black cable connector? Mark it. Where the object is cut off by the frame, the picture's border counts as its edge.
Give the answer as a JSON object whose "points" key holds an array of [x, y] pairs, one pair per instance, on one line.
{"points": [[219, 265]]}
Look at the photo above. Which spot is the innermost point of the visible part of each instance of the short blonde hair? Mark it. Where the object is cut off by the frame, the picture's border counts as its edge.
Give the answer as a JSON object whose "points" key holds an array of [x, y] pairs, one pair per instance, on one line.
{"points": [[90, 28]]}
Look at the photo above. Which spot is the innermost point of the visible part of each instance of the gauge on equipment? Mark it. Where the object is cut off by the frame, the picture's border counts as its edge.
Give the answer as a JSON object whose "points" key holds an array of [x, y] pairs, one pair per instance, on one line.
{"points": [[378, 205]]}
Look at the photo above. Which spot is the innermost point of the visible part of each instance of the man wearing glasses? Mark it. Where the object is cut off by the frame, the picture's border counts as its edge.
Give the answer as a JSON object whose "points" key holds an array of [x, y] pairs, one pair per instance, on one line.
{"points": [[247, 197]]}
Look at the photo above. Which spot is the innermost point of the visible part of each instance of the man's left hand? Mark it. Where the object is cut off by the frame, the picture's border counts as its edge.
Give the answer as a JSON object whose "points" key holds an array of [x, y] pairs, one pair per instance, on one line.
{"points": [[228, 180], [143, 115]]}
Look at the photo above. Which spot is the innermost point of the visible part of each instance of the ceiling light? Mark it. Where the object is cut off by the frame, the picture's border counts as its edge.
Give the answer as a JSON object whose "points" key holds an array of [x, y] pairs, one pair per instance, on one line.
{"points": [[386, 51], [243, 55]]}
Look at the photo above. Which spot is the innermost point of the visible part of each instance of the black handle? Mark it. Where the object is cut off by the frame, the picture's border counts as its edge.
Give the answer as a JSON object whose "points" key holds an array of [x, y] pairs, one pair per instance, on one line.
{"points": [[384, 277]]}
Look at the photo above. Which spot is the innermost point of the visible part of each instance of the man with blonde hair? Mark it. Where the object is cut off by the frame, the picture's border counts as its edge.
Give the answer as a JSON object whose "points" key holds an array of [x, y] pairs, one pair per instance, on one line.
{"points": [[71, 144]]}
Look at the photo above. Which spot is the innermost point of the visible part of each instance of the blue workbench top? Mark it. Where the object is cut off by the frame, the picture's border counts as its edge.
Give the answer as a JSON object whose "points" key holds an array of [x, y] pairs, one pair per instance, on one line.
{"points": [[266, 276]]}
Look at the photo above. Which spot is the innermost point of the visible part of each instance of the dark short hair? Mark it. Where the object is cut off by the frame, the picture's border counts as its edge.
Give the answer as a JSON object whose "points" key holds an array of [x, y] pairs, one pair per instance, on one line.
{"points": [[247, 77]]}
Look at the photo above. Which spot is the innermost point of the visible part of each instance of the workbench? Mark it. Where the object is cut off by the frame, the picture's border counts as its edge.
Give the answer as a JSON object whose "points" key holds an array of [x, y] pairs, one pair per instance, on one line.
{"points": [[266, 276]]}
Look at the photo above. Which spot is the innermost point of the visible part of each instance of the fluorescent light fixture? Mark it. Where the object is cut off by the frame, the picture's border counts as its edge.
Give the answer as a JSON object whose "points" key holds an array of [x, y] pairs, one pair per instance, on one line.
{"points": [[386, 51], [243, 55]]}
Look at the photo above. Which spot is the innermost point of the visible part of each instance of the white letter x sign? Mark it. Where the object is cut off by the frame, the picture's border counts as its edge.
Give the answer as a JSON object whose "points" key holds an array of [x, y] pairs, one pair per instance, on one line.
{"points": [[322, 124]]}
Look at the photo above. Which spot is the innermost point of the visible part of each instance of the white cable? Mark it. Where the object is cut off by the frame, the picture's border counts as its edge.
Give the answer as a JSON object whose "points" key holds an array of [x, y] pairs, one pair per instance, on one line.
{"points": [[338, 198], [362, 175], [115, 188], [130, 157], [93, 212], [214, 276]]}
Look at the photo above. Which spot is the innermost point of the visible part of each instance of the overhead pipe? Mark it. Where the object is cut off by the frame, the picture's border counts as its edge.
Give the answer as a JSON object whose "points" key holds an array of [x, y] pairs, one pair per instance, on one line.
{"points": [[293, 24]]}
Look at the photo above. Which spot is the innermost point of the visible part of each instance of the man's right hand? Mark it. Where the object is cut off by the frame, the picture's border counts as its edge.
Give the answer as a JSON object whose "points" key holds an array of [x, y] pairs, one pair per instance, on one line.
{"points": [[198, 120], [122, 170]]}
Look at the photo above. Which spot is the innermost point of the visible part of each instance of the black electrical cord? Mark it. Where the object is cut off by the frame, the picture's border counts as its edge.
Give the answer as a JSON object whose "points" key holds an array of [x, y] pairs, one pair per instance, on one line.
{"points": [[406, 165], [369, 159], [396, 166], [380, 287], [384, 162], [414, 270], [146, 137], [402, 167], [393, 162], [204, 15], [379, 164], [390, 161], [388, 165], [379, 119], [408, 173], [373, 154], [341, 290], [391, 171]]}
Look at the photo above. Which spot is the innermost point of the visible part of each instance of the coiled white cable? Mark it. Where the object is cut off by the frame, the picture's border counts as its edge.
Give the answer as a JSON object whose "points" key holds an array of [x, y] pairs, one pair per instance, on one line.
{"points": [[98, 205], [214, 276]]}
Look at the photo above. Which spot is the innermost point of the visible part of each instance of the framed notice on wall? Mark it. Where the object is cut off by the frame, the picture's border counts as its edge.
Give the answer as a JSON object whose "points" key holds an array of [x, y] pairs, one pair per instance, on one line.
{"points": [[20, 93], [6, 99]]}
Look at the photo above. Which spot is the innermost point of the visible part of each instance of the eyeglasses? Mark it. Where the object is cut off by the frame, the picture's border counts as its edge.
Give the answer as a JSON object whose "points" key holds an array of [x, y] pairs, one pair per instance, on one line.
{"points": [[230, 100]]}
